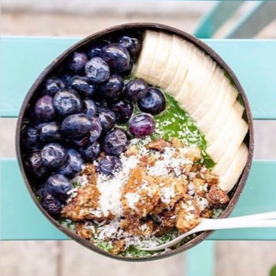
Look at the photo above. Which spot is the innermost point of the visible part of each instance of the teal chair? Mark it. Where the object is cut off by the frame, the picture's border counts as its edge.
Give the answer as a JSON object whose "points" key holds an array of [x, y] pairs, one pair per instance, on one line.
{"points": [[261, 14], [19, 215]]}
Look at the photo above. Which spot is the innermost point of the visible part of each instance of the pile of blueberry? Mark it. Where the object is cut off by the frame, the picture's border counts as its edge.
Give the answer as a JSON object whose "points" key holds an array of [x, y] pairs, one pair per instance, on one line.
{"points": [[77, 116]]}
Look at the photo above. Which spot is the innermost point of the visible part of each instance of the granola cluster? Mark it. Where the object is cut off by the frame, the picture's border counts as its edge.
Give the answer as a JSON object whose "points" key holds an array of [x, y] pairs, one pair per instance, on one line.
{"points": [[166, 188]]}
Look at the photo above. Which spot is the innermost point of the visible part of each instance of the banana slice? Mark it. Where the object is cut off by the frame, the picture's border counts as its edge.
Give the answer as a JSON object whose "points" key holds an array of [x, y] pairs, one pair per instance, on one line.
{"points": [[193, 72], [193, 88], [202, 89], [230, 152], [230, 178], [187, 55], [217, 148], [223, 112], [161, 57], [206, 121], [172, 63], [209, 96], [225, 122], [147, 55]]}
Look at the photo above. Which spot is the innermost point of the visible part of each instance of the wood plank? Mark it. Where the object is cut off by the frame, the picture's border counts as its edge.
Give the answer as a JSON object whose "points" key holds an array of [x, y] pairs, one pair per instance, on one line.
{"points": [[253, 61], [21, 219], [245, 258], [213, 20], [77, 260], [29, 258]]}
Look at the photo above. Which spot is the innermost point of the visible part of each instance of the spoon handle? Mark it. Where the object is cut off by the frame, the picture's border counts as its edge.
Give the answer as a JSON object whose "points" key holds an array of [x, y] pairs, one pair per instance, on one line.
{"points": [[263, 220], [267, 215], [231, 223]]}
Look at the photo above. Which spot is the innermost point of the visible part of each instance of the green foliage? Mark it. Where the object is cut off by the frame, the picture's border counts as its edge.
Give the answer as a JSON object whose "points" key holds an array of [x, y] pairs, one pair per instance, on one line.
{"points": [[273, 271], [76, 184]]}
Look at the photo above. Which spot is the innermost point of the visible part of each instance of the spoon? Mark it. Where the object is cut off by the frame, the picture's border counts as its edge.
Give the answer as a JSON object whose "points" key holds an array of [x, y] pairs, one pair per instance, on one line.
{"points": [[251, 221]]}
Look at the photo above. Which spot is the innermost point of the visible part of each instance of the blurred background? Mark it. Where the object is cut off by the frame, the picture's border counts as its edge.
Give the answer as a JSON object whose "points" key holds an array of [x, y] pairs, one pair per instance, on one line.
{"points": [[79, 18]]}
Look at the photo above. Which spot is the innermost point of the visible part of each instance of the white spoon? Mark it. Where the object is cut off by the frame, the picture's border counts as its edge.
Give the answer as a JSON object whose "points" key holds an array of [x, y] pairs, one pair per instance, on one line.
{"points": [[251, 221]]}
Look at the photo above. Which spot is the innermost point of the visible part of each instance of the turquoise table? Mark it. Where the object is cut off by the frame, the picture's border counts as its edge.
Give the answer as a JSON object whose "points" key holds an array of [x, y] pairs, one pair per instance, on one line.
{"points": [[22, 60]]}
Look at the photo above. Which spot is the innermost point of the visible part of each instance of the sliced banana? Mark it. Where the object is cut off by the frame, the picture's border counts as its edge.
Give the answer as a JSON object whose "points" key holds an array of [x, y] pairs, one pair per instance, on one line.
{"points": [[161, 57], [197, 81], [202, 89], [172, 63], [230, 152], [147, 55], [193, 71], [209, 96], [231, 176], [217, 148], [206, 121], [225, 122], [223, 112], [187, 55]]}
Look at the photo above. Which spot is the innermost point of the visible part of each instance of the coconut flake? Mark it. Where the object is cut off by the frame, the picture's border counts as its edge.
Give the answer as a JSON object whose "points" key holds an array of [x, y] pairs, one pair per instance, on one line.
{"points": [[132, 199]]}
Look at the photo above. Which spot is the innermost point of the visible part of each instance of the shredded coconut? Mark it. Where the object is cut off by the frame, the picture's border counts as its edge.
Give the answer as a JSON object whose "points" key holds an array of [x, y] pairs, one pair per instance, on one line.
{"points": [[132, 199], [110, 188], [80, 179], [109, 230], [167, 193], [202, 203]]}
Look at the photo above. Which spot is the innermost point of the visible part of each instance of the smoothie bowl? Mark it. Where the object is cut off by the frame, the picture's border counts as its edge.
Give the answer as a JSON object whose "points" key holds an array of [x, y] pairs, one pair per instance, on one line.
{"points": [[131, 136]]}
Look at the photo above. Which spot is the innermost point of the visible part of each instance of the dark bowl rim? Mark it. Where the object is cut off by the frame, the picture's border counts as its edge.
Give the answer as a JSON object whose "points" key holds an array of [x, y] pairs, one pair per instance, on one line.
{"points": [[143, 26]]}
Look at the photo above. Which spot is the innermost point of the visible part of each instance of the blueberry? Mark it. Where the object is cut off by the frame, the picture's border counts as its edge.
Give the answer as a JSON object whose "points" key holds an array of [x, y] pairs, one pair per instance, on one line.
{"points": [[107, 118], [76, 125], [128, 70], [67, 102], [44, 109], [153, 102], [77, 62], [91, 151], [96, 49], [96, 129], [80, 142], [52, 86], [116, 56], [109, 165], [141, 125], [53, 156], [73, 165], [65, 77], [101, 104], [113, 88], [136, 89], [42, 192], [89, 107], [30, 138], [115, 142], [35, 166], [123, 111], [51, 205], [50, 132], [82, 85], [132, 44], [58, 185], [97, 70], [31, 117], [126, 41]]}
